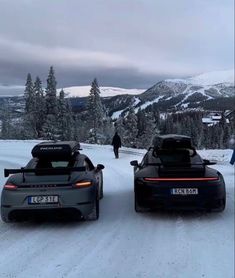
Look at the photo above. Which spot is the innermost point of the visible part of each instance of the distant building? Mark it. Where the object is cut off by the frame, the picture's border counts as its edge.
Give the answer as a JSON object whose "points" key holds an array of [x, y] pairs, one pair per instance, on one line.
{"points": [[213, 118]]}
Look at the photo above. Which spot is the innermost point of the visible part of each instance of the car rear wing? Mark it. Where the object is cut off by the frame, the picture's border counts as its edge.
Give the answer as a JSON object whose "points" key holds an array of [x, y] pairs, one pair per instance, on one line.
{"points": [[183, 164], [184, 169], [45, 171]]}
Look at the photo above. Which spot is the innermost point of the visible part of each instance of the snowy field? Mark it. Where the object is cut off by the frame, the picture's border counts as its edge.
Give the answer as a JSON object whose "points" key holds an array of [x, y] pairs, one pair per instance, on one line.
{"points": [[121, 243]]}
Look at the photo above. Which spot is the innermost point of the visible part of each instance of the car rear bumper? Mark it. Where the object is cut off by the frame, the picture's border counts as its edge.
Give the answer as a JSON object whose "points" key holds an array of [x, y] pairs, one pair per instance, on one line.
{"points": [[80, 201], [210, 196], [70, 212]]}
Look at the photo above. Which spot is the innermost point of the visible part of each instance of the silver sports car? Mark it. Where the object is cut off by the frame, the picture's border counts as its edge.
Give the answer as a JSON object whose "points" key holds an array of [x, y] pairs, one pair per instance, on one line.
{"points": [[57, 180]]}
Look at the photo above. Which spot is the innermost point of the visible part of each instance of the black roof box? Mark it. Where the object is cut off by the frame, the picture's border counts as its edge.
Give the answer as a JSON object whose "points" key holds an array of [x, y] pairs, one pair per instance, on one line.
{"points": [[172, 141], [55, 150]]}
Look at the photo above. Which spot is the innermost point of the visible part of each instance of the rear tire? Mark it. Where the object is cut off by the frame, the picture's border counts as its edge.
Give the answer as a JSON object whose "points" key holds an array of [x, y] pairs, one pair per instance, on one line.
{"points": [[218, 208], [5, 219], [101, 187], [94, 214], [223, 200], [139, 208], [222, 207]]}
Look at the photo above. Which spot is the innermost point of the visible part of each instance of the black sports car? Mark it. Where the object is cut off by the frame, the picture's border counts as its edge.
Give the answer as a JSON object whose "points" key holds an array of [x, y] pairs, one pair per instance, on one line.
{"points": [[172, 175], [57, 180]]}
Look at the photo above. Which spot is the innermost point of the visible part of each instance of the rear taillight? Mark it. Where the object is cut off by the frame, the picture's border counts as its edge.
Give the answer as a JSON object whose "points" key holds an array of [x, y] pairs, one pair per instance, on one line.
{"points": [[82, 184], [182, 179], [10, 186]]}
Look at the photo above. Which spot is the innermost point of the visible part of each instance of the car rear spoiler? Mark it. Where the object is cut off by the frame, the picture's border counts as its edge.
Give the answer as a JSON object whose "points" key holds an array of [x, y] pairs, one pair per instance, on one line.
{"points": [[45, 171], [184, 169], [204, 163]]}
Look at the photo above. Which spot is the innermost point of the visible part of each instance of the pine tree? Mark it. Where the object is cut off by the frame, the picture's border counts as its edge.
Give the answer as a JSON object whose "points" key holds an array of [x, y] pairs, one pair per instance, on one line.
{"points": [[29, 95], [226, 131], [108, 130], [146, 128], [51, 101], [206, 141], [6, 122], [29, 122], [156, 114], [40, 107], [131, 130], [150, 130], [141, 122], [77, 128], [50, 127], [65, 119], [119, 127], [167, 125], [96, 113]]}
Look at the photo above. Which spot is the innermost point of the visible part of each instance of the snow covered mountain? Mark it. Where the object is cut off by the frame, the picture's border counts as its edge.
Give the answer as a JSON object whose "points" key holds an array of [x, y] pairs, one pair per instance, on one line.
{"points": [[212, 90], [209, 78], [194, 92], [83, 91]]}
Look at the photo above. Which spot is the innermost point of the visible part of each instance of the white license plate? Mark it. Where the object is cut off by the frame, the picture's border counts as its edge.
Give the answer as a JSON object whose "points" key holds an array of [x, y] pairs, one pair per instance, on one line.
{"points": [[43, 199], [184, 191]]}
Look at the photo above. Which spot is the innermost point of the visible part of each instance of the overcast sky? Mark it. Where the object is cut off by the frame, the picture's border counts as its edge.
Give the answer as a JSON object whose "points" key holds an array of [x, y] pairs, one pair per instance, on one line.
{"points": [[124, 43]]}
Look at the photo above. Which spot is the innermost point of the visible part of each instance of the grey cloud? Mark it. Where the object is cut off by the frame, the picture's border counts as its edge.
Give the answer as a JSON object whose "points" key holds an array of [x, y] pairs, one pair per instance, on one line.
{"points": [[11, 90], [139, 39], [122, 77]]}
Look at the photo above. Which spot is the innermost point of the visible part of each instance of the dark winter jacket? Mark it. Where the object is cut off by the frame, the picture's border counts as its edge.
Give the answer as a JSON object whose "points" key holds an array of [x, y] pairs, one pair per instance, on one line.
{"points": [[116, 141]]}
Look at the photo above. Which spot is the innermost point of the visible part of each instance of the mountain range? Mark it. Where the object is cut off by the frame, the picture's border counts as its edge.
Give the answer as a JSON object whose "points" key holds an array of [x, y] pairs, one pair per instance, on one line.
{"points": [[208, 91], [213, 90]]}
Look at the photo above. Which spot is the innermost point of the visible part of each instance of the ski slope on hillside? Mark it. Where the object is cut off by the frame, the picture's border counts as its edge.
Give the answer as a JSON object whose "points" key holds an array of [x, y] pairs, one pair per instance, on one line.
{"points": [[121, 243]]}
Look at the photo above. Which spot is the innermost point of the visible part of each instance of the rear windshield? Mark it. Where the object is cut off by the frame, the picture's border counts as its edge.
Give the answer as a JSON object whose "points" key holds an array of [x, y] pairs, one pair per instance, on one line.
{"points": [[178, 156], [173, 156], [42, 163], [176, 144]]}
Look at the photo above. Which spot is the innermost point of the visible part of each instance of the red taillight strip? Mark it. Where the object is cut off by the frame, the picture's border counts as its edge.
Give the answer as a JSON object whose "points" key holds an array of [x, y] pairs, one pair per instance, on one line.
{"points": [[10, 186], [181, 179]]}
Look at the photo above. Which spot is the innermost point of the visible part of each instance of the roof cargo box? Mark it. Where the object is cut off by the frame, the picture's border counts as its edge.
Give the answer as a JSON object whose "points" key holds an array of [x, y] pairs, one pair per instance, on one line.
{"points": [[172, 141], [54, 150]]}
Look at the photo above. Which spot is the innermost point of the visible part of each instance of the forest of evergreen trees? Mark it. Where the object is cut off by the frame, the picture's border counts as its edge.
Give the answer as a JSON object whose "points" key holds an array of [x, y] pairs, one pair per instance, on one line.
{"points": [[48, 116]]}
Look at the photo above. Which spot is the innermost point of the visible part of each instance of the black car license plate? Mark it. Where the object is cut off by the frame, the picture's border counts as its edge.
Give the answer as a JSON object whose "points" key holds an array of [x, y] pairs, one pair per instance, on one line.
{"points": [[184, 191]]}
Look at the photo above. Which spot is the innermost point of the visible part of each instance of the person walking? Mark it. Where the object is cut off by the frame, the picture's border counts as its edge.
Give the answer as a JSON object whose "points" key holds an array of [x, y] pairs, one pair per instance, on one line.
{"points": [[116, 142], [232, 160], [232, 145]]}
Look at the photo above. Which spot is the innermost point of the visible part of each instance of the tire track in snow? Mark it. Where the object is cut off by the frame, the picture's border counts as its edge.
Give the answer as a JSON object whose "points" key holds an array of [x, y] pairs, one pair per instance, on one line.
{"points": [[117, 203]]}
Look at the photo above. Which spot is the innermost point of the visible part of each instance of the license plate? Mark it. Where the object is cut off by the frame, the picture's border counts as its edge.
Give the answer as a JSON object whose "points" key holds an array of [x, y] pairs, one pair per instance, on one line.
{"points": [[184, 191], [43, 199]]}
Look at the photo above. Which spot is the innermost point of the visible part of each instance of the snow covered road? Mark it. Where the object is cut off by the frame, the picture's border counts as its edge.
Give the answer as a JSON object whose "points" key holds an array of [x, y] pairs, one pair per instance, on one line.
{"points": [[121, 243]]}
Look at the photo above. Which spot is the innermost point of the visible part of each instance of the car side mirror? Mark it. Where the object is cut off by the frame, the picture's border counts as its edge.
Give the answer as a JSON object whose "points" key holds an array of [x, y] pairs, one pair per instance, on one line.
{"points": [[208, 162], [134, 163], [99, 167]]}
